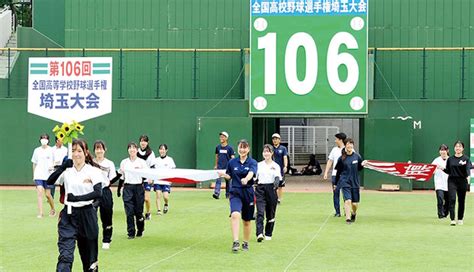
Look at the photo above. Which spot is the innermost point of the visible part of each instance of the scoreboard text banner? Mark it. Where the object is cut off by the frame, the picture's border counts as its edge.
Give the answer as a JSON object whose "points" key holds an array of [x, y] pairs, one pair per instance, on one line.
{"points": [[67, 89], [308, 57]]}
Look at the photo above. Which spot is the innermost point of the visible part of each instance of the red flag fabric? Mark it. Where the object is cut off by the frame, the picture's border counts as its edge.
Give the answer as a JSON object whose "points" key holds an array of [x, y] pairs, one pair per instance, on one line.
{"points": [[417, 171]]}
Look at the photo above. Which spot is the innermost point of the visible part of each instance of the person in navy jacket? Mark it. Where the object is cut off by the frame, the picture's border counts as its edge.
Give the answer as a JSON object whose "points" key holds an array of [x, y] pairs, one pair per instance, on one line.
{"points": [[347, 178], [241, 171]]}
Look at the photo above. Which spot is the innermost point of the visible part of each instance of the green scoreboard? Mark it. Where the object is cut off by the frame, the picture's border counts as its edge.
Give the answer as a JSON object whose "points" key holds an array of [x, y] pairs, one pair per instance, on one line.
{"points": [[308, 57]]}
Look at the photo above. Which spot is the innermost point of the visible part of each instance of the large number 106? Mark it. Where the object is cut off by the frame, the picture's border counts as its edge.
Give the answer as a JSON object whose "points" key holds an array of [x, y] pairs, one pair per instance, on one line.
{"points": [[333, 61]]}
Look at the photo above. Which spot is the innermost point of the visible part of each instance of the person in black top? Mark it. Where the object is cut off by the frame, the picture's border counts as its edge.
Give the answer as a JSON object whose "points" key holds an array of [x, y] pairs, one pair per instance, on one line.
{"points": [[145, 153], [347, 178], [312, 168], [457, 167]]}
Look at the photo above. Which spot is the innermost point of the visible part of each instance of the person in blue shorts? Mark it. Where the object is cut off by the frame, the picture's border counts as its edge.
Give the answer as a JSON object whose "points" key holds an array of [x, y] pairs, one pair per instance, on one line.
{"points": [[163, 188], [241, 171], [42, 160], [347, 178], [224, 153], [280, 156]]}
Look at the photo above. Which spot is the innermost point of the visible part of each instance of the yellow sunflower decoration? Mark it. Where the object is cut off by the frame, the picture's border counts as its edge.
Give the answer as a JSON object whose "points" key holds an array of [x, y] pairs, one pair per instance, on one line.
{"points": [[68, 131]]}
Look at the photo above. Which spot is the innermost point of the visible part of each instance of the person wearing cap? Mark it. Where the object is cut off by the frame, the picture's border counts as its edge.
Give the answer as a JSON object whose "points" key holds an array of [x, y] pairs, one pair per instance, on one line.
{"points": [[441, 182], [280, 156], [332, 160], [224, 153], [240, 171]]}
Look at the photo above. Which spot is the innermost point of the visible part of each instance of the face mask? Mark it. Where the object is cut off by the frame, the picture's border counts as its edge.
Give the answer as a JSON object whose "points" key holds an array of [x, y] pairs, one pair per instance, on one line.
{"points": [[44, 141]]}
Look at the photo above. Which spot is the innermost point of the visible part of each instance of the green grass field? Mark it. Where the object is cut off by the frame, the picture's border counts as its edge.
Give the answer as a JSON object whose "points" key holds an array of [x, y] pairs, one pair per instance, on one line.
{"points": [[393, 232]]}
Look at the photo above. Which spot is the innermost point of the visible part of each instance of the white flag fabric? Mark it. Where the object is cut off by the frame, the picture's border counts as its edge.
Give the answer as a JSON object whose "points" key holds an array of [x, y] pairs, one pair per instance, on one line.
{"points": [[165, 176]]}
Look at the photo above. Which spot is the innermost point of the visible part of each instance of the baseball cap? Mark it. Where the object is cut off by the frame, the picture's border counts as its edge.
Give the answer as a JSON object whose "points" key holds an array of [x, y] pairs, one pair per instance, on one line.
{"points": [[225, 134], [276, 135], [341, 136]]}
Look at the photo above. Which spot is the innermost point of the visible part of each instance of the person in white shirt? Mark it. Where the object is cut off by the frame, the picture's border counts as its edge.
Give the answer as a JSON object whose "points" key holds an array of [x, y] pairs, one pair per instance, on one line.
{"points": [[59, 153], [146, 153], [163, 188], [268, 176], [78, 220], [133, 192], [441, 182], [332, 160], [106, 202], [42, 160]]}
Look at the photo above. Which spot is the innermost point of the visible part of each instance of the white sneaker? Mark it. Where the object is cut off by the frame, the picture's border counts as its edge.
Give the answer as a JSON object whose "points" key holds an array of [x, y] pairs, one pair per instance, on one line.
{"points": [[460, 222], [105, 245], [268, 238], [453, 223], [260, 238]]}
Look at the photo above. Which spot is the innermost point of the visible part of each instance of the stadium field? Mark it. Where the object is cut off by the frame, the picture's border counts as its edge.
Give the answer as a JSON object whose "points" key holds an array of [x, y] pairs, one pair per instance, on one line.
{"points": [[393, 232]]}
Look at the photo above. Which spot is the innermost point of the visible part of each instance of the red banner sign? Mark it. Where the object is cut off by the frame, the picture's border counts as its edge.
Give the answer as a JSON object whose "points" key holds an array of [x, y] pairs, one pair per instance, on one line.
{"points": [[417, 171]]}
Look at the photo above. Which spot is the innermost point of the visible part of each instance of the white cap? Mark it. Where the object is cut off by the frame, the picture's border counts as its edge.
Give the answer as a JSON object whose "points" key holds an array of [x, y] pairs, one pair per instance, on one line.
{"points": [[276, 135], [225, 134]]}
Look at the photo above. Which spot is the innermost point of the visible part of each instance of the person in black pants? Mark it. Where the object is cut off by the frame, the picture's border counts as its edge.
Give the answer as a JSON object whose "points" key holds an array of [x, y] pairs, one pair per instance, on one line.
{"points": [[106, 202], [78, 220], [457, 167], [268, 176], [133, 192], [441, 182]]}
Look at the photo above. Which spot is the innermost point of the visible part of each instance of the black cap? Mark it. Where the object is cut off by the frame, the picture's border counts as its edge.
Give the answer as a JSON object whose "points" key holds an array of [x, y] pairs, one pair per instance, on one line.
{"points": [[341, 136]]}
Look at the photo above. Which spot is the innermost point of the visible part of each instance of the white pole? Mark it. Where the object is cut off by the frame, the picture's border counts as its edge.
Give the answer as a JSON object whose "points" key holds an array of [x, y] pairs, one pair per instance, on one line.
{"points": [[69, 151]]}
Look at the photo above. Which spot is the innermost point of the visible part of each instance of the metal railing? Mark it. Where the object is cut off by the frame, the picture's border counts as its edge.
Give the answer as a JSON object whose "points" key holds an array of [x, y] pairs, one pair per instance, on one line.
{"points": [[305, 140], [424, 53]]}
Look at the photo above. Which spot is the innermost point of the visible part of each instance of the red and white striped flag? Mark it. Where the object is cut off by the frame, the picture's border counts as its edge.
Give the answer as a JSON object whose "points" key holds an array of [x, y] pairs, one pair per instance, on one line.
{"points": [[417, 171], [165, 176]]}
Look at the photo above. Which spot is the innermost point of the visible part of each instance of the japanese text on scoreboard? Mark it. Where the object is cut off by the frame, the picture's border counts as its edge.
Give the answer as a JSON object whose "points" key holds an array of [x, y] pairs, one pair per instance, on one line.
{"points": [[66, 89], [308, 57]]}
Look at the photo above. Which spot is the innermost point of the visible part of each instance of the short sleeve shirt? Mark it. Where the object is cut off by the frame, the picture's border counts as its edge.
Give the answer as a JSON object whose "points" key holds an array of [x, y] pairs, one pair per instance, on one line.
{"points": [[164, 163], [59, 154], [224, 154], [43, 158], [136, 164], [108, 172], [334, 157], [238, 170], [73, 181], [278, 154], [268, 172]]}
